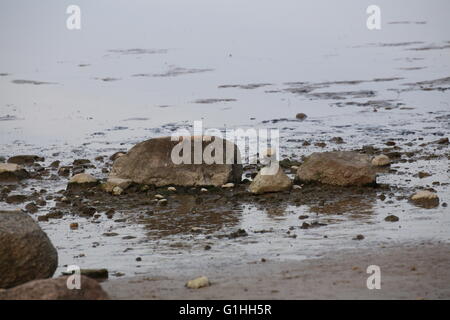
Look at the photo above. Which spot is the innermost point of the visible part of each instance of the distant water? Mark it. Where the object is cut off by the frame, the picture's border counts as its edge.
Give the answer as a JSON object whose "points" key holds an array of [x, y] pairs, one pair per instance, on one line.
{"points": [[141, 64]]}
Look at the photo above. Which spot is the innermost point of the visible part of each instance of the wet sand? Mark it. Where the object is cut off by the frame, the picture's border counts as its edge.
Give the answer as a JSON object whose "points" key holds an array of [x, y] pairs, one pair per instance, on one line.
{"points": [[408, 271]]}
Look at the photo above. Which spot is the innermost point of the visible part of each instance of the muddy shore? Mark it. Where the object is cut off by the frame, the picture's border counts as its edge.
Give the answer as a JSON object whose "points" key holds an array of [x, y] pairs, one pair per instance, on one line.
{"points": [[408, 271]]}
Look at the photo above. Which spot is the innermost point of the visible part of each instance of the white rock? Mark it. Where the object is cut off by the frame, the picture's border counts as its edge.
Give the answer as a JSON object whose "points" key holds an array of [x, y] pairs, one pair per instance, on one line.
{"points": [[162, 202], [82, 178], [171, 189], [203, 190], [294, 168], [198, 283], [424, 195], [117, 191], [381, 161], [296, 187], [228, 185], [159, 197]]}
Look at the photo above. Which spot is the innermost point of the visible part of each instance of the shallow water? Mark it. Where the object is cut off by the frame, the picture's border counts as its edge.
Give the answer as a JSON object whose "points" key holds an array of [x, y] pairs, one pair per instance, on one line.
{"points": [[142, 70]]}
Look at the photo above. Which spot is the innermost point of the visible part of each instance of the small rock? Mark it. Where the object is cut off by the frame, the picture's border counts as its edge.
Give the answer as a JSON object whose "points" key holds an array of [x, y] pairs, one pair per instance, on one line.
{"points": [[238, 233], [55, 164], [425, 199], [16, 198], [381, 161], [266, 181], [337, 140], [301, 116], [159, 197], [25, 159], [203, 190], [74, 226], [31, 207], [117, 191], [228, 185], [80, 162], [110, 234], [442, 141], [82, 178], [10, 172], [198, 283], [391, 218], [173, 189], [358, 237], [64, 171], [422, 174]]}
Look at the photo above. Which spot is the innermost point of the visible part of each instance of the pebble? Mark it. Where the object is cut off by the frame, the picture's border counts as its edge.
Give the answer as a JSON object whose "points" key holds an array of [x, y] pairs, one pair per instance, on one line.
{"points": [[301, 116], [117, 191], [198, 283], [228, 185]]}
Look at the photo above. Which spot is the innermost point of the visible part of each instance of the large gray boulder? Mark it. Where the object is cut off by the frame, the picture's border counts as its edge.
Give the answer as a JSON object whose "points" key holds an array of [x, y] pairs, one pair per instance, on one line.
{"points": [[342, 168], [26, 252], [55, 289], [151, 162]]}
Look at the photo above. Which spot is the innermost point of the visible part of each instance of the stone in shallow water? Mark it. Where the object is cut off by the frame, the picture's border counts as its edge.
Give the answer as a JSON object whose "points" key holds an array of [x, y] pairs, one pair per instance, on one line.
{"points": [[11, 172], [151, 162], [83, 178], [342, 168], [265, 182], [25, 159], [425, 199]]}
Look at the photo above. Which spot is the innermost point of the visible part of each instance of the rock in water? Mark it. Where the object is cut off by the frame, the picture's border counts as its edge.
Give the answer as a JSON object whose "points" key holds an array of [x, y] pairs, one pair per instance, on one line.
{"points": [[301, 116], [81, 180], [265, 182], [342, 168], [55, 289], [425, 199], [26, 252], [11, 172], [25, 159], [150, 162], [381, 161]]}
